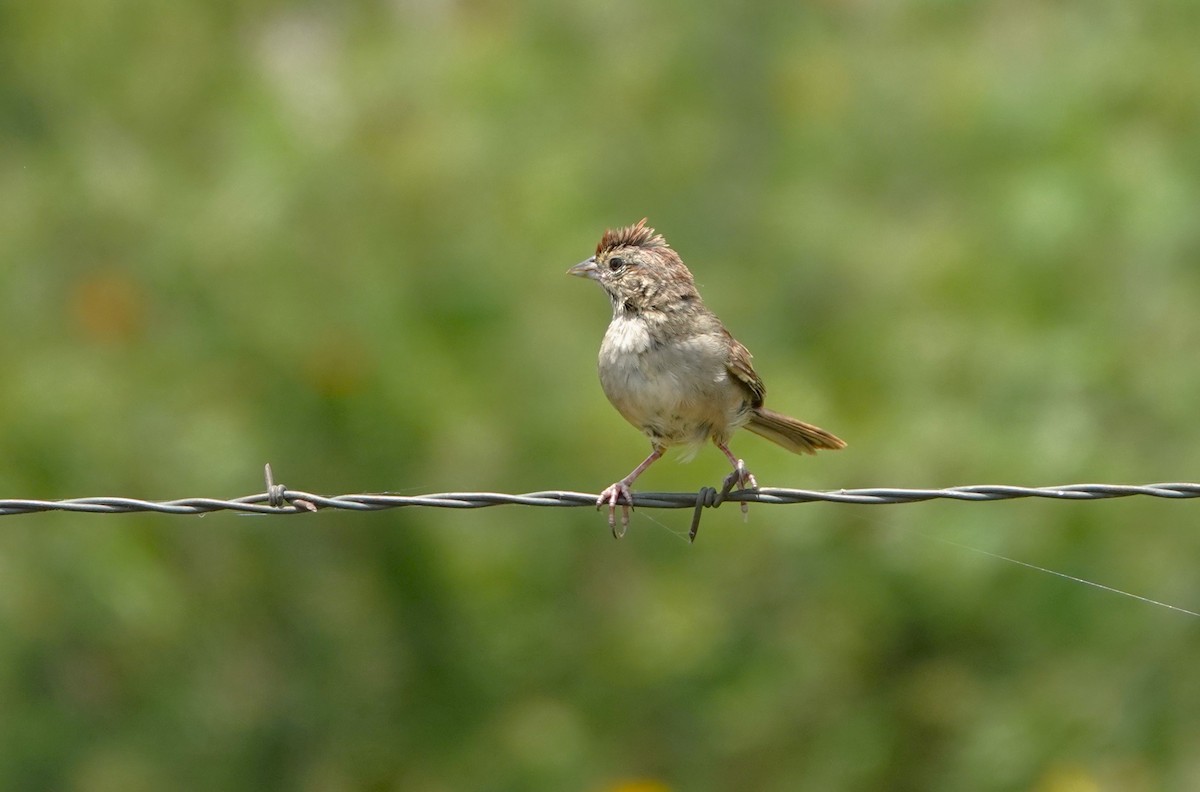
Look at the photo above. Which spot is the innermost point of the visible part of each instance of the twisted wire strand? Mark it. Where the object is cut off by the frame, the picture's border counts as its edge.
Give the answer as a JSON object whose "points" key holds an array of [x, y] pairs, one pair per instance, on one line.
{"points": [[278, 499]]}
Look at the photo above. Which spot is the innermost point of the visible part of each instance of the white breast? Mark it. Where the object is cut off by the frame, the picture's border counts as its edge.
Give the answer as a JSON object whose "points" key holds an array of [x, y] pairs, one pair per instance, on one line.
{"points": [[626, 336], [677, 391]]}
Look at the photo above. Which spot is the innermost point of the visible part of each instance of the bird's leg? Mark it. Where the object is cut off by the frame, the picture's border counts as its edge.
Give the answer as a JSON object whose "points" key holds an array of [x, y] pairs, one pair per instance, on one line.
{"points": [[620, 491], [741, 477]]}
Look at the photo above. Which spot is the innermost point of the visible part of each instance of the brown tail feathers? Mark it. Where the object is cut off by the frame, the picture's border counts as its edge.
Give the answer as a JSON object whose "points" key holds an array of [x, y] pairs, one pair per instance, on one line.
{"points": [[796, 436]]}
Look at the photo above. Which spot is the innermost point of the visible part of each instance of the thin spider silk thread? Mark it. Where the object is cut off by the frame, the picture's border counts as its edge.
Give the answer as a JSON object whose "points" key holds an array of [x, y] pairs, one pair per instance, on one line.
{"points": [[1063, 575]]}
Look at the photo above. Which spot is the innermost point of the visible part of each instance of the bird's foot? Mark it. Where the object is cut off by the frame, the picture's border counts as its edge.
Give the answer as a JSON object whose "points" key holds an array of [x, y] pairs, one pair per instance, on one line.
{"points": [[742, 479], [613, 495]]}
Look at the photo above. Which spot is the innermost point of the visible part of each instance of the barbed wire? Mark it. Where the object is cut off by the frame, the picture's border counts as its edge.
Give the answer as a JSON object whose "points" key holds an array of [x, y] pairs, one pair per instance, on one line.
{"points": [[278, 499]]}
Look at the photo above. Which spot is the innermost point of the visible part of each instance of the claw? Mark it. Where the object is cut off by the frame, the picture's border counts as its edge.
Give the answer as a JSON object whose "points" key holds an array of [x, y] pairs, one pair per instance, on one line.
{"points": [[612, 495], [620, 491], [742, 479]]}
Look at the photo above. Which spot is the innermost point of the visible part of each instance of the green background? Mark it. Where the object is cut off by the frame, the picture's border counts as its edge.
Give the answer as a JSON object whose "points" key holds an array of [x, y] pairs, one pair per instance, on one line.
{"points": [[961, 235]]}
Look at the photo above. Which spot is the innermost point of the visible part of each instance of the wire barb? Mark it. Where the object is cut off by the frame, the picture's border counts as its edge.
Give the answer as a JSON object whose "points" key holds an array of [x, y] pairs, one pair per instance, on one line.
{"points": [[710, 498], [277, 495], [278, 499], [706, 498], [274, 491]]}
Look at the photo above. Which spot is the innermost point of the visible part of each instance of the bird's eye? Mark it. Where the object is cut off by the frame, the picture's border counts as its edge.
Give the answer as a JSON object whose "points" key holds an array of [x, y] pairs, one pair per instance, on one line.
{"points": [[615, 264]]}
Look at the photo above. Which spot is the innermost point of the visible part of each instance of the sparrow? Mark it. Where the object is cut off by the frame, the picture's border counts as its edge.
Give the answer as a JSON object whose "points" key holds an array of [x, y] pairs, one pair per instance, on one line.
{"points": [[672, 369]]}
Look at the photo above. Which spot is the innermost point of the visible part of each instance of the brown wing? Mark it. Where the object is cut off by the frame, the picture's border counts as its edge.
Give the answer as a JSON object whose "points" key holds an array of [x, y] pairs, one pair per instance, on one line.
{"points": [[739, 366]]}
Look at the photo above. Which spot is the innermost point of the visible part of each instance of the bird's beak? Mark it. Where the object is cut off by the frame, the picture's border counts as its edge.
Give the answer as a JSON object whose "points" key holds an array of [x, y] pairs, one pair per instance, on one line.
{"points": [[585, 269]]}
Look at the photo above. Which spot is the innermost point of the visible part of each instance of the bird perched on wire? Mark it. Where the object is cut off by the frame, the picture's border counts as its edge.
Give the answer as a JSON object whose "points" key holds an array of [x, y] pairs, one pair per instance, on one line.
{"points": [[672, 369]]}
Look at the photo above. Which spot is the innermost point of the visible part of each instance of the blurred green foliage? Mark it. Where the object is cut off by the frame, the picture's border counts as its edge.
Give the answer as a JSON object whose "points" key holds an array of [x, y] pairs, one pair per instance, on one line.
{"points": [[964, 236]]}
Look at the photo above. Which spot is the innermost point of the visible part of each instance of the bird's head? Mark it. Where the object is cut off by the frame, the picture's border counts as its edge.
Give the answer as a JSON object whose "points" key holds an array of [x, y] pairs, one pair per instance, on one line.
{"points": [[639, 270]]}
